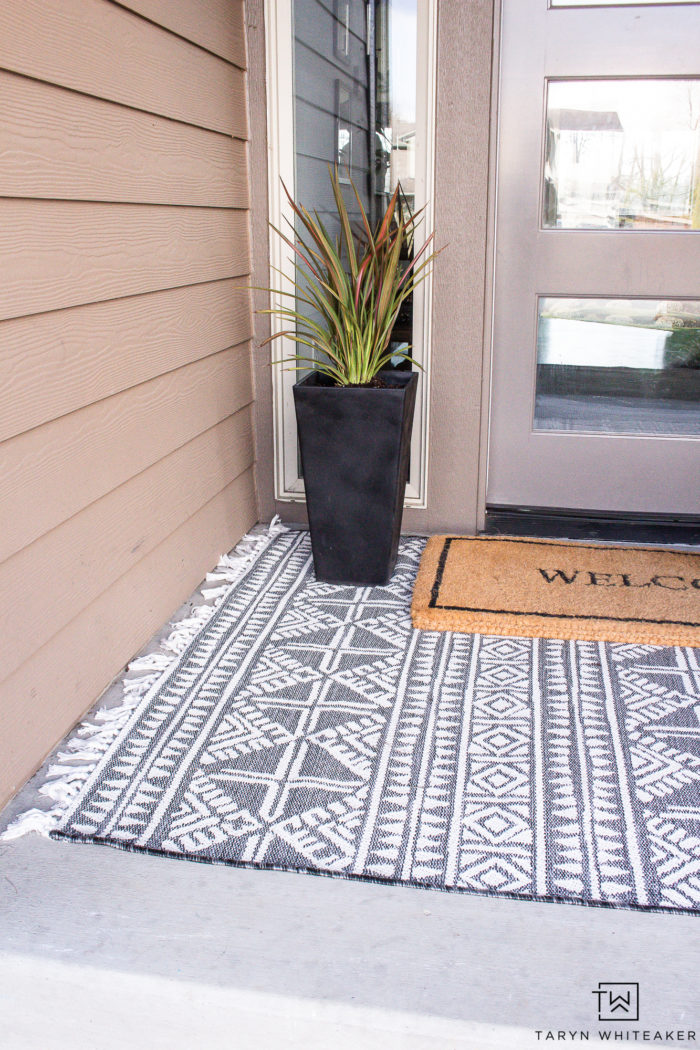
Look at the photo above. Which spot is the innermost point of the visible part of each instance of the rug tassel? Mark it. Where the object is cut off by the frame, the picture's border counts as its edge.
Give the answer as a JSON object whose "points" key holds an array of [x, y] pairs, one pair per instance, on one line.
{"points": [[91, 740]]}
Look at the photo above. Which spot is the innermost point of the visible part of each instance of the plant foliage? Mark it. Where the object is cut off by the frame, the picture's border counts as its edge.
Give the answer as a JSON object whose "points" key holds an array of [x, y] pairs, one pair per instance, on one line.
{"points": [[348, 290]]}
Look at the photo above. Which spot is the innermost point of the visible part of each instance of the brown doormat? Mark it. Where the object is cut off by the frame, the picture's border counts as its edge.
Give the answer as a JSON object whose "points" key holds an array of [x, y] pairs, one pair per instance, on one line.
{"points": [[551, 589]]}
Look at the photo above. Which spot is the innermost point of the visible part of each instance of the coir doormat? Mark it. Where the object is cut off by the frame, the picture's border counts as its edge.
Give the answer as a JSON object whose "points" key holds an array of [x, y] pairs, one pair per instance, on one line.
{"points": [[553, 589]]}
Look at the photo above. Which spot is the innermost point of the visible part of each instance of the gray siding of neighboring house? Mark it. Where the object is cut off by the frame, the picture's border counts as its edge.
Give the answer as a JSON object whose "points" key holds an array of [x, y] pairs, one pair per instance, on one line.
{"points": [[126, 430], [320, 72]]}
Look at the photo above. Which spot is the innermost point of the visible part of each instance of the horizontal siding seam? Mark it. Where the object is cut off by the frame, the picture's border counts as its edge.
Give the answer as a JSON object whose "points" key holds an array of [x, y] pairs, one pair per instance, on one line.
{"points": [[125, 204], [241, 398], [147, 554], [67, 385], [175, 524], [78, 695], [179, 36], [126, 105], [135, 386], [129, 295], [129, 204]]}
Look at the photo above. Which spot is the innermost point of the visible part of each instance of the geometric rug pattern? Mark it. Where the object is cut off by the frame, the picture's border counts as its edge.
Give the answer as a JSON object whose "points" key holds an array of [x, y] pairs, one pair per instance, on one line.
{"points": [[309, 727]]}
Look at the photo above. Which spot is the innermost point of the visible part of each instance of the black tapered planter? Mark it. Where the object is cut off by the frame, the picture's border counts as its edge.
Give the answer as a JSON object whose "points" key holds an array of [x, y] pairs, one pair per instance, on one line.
{"points": [[355, 444]]}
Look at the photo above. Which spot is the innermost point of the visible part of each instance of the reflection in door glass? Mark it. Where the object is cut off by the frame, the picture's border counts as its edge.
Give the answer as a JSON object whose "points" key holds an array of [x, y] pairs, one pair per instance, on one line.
{"points": [[622, 154], [618, 366]]}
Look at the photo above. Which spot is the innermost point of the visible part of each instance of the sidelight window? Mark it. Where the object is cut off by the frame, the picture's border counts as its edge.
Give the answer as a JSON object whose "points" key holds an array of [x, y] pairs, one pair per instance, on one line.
{"points": [[351, 83]]}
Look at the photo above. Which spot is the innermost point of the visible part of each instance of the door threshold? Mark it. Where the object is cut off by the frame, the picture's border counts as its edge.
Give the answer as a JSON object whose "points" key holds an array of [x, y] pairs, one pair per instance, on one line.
{"points": [[551, 523]]}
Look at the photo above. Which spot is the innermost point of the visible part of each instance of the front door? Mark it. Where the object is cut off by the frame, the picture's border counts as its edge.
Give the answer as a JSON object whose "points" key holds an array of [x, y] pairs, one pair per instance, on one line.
{"points": [[596, 358]]}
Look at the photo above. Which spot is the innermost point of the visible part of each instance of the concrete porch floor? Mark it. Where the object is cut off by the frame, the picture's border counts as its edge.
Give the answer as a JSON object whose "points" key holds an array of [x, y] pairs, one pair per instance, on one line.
{"points": [[102, 949]]}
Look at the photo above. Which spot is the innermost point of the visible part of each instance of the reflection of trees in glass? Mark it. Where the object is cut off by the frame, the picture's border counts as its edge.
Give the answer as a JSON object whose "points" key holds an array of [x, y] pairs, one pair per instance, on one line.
{"points": [[666, 315], [693, 104], [653, 180], [623, 153], [636, 313], [682, 349], [576, 141]]}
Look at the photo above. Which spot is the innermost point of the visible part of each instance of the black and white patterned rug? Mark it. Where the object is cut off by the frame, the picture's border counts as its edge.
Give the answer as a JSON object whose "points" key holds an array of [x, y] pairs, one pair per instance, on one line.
{"points": [[309, 727]]}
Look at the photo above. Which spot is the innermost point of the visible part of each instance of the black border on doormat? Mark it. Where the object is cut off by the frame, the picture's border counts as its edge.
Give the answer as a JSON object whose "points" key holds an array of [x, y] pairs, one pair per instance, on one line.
{"points": [[437, 582]]}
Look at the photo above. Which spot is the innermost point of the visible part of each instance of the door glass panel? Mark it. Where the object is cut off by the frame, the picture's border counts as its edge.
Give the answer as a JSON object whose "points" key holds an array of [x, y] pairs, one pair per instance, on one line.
{"points": [[619, 366], [622, 154]]}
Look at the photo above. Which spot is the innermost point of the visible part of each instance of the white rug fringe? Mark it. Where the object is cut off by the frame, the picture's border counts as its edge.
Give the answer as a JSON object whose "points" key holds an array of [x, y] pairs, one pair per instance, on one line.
{"points": [[66, 778]]}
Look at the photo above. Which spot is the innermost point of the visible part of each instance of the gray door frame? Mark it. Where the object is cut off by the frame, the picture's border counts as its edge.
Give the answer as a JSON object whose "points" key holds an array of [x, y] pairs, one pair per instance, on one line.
{"points": [[564, 470]]}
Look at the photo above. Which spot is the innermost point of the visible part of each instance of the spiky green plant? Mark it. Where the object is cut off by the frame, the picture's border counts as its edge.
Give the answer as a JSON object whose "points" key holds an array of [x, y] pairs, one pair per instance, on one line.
{"points": [[354, 284]]}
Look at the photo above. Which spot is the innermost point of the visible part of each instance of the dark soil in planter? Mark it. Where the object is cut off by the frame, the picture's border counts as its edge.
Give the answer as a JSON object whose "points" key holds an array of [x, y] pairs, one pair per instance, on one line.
{"points": [[374, 384]]}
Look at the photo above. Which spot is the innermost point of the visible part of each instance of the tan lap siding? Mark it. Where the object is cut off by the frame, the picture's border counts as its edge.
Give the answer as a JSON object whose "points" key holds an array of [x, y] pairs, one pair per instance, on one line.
{"points": [[126, 450], [41, 698]]}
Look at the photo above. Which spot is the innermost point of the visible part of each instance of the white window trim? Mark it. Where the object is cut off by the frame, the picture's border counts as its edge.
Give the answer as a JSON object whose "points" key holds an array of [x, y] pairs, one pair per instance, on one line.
{"points": [[280, 145]]}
